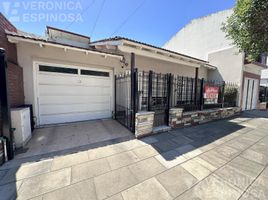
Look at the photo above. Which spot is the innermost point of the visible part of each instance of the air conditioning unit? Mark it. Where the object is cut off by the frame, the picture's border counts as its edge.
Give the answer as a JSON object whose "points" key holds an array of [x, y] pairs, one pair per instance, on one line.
{"points": [[21, 121]]}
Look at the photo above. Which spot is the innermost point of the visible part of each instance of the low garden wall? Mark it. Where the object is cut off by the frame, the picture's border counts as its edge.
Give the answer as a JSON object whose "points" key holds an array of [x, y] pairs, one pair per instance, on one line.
{"points": [[178, 118]]}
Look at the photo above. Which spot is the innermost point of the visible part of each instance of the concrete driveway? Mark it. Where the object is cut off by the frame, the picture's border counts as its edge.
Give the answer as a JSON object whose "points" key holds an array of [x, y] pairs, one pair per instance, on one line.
{"points": [[225, 159], [65, 137]]}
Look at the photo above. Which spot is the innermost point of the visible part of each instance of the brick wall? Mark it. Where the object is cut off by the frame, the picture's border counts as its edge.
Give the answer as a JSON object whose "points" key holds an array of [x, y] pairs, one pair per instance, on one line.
{"points": [[15, 73], [10, 48], [15, 85]]}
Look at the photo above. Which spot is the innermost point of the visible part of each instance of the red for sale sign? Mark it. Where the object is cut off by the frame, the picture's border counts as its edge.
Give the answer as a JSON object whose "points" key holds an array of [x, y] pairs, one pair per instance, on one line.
{"points": [[211, 94]]}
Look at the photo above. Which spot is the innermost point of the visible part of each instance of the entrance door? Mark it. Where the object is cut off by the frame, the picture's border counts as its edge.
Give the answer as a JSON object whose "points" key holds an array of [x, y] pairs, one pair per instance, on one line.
{"points": [[250, 94], [159, 99], [69, 94]]}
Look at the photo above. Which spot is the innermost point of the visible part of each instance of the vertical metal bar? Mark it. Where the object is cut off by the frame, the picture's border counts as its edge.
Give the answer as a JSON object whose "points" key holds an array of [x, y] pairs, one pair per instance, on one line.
{"points": [[187, 88], [182, 84], [222, 98], [136, 89], [202, 94], [132, 92], [150, 87], [195, 87], [252, 93], [115, 96], [169, 95], [5, 106], [192, 90]]}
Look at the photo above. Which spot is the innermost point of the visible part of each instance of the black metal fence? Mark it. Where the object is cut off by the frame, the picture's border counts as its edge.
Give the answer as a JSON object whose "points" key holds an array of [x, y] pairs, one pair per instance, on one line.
{"points": [[263, 94], [186, 93], [150, 91]]}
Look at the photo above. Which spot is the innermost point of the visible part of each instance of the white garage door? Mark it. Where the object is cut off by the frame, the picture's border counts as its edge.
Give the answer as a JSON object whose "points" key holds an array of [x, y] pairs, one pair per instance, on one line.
{"points": [[73, 94]]}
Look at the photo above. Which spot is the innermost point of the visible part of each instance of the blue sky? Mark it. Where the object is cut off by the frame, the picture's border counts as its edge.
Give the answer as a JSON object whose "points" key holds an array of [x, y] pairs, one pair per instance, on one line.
{"points": [[150, 21]]}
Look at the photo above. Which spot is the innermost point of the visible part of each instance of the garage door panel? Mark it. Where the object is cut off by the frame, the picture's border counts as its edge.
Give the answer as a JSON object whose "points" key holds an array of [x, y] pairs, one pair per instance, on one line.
{"points": [[73, 108], [58, 90], [49, 79], [73, 97], [59, 100], [72, 117], [92, 81]]}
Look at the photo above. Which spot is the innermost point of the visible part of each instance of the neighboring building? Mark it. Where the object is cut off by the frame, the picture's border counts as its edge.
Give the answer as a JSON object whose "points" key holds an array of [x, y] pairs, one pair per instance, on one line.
{"points": [[204, 39], [68, 78], [264, 78]]}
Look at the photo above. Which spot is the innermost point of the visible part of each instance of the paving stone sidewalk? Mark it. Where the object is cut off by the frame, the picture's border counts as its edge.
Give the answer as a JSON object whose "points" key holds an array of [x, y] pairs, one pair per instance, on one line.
{"points": [[225, 159]]}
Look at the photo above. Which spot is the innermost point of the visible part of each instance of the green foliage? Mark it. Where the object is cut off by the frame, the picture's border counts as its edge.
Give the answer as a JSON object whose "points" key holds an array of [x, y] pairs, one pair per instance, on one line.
{"points": [[248, 27], [230, 93]]}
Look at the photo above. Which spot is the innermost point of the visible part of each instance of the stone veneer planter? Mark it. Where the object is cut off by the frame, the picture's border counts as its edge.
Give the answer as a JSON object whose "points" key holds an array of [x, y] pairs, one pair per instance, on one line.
{"points": [[144, 124], [178, 118]]}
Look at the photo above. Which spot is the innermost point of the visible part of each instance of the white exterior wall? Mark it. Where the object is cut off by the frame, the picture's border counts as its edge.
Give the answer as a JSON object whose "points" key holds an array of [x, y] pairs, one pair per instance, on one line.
{"points": [[30, 53], [229, 64], [201, 36], [160, 66], [264, 77]]}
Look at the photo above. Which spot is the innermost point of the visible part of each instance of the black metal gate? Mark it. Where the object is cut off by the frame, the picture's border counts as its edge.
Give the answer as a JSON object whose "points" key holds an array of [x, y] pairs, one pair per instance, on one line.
{"points": [[159, 97], [123, 108], [186, 93]]}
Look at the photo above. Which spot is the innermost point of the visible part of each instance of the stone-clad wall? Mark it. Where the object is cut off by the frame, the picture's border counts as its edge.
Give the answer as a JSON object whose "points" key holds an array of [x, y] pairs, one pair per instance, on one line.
{"points": [[144, 124], [178, 118]]}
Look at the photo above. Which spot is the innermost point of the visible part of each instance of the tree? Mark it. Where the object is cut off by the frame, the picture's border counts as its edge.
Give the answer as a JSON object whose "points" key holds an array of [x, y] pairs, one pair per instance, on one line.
{"points": [[248, 27]]}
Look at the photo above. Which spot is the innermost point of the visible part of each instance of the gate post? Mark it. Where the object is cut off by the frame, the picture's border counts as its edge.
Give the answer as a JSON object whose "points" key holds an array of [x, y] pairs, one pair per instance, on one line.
{"points": [[136, 90], [150, 88], [132, 91], [196, 85], [202, 94], [169, 94]]}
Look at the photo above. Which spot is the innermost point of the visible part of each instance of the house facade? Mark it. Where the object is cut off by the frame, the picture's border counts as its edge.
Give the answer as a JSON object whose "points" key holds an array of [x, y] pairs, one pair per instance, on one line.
{"points": [[211, 44], [68, 78], [65, 77]]}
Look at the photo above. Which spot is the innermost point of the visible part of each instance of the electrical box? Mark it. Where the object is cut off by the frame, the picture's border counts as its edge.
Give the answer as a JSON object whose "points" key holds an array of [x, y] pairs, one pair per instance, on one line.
{"points": [[21, 121]]}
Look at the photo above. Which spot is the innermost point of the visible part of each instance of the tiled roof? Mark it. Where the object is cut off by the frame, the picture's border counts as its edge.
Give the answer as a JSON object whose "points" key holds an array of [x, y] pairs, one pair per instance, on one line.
{"points": [[149, 45]]}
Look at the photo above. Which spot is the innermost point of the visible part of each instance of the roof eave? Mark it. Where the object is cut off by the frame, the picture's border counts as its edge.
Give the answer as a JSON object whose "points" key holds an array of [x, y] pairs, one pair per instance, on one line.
{"points": [[158, 51], [17, 38]]}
